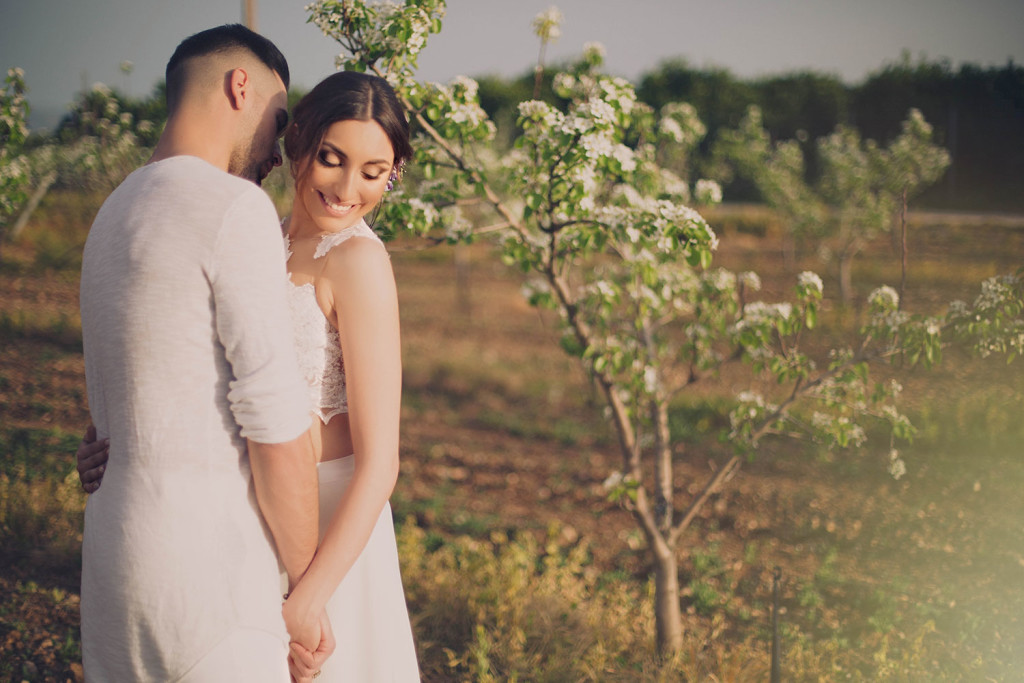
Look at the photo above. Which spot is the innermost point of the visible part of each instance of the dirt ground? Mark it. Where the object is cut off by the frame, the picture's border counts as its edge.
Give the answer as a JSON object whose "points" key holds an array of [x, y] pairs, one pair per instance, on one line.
{"points": [[502, 431]]}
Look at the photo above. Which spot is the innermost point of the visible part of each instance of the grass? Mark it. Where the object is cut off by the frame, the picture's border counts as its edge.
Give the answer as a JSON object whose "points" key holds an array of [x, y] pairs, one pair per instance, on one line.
{"points": [[516, 565]]}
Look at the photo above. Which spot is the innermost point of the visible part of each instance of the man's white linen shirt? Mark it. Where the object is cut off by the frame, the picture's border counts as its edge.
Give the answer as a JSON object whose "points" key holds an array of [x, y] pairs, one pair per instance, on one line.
{"points": [[188, 351]]}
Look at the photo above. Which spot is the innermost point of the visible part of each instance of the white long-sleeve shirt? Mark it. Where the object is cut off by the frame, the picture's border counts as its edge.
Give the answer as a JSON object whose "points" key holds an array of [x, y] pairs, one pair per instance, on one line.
{"points": [[188, 351]]}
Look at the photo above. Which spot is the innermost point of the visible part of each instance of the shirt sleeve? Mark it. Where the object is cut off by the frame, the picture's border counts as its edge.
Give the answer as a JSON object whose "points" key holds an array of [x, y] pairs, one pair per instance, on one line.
{"points": [[267, 395]]}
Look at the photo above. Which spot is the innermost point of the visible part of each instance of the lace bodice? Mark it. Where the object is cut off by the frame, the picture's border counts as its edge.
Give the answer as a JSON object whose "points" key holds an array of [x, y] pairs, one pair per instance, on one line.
{"points": [[316, 341]]}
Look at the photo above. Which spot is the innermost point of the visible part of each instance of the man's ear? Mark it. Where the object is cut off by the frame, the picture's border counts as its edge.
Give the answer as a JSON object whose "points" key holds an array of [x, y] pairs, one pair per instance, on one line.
{"points": [[238, 87]]}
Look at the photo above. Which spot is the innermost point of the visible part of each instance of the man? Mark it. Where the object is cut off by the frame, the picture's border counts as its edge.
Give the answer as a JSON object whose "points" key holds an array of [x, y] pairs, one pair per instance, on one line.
{"points": [[191, 374]]}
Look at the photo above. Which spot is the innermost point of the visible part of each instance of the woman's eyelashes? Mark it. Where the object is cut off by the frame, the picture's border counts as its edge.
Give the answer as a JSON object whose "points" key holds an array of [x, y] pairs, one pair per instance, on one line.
{"points": [[332, 159], [329, 158]]}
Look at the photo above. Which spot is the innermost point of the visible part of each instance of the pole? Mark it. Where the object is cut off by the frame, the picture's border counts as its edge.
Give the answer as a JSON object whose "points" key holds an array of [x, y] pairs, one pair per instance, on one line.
{"points": [[776, 676], [249, 14]]}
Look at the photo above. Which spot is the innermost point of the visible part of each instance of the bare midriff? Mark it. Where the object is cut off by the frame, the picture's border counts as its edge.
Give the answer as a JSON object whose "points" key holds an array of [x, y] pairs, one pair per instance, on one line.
{"points": [[332, 440]]}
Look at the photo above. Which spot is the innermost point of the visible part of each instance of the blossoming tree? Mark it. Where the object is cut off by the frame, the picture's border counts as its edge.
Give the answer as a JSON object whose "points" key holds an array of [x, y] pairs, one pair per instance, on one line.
{"points": [[98, 147], [858, 193], [608, 238], [14, 175]]}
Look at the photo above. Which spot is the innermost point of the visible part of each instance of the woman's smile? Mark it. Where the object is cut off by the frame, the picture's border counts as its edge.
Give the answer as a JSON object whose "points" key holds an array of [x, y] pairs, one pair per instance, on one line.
{"points": [[339, 210]]}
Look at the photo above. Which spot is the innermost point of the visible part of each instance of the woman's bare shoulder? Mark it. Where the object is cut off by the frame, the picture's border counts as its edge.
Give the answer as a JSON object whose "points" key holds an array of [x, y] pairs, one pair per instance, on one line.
{"points": [[360, 259]]}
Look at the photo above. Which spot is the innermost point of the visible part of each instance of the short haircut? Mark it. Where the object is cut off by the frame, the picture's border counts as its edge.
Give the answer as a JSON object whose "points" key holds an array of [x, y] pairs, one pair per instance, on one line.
{"points": [[221, 39], [345, 96]]}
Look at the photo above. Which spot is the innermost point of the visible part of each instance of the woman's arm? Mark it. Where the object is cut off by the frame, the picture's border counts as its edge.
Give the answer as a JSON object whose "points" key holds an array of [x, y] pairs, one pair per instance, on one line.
{"points": [[365, 303]]}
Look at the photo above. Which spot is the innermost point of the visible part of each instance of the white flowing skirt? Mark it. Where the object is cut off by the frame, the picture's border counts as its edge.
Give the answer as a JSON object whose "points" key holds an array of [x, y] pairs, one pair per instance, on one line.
{"points": [[368, 611]]}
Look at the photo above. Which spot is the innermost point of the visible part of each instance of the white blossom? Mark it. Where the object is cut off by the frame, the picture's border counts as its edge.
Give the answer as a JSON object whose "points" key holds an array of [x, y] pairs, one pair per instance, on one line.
{"points": [[594, 51], [429, 211], [712, 237], [750, 397], [466, 84], [597, 109], [563, 82], [722, 280], [811, 281], [597, 145], [628, 193], [670, 128], [994, 291], [885, 298], [897, 468], [650, 379], [957, 309], [614, 480], [821, 421], [708, 192], [547, 24], [759, 312], [457, 226], [674, 185], [624, 155], [533, 109], [750, 280], [534, 286]]}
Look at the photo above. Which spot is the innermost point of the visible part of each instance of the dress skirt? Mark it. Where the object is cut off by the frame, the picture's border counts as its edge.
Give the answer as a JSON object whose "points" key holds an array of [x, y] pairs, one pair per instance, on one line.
{"points": [[368, 611]]}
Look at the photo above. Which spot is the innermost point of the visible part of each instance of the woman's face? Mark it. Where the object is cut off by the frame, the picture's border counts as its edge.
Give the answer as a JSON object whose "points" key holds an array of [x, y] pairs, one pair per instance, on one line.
{"points": [[347, 175]]}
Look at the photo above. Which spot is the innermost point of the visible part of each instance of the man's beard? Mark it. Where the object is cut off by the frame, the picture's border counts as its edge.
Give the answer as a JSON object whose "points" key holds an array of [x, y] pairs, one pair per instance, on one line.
{"points": [[246, 163]]}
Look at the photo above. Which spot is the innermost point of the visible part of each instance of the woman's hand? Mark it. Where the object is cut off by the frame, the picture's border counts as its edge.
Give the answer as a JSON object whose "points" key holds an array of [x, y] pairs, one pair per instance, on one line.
{"points": [[303, 621], [91, 457], [303, 664]]}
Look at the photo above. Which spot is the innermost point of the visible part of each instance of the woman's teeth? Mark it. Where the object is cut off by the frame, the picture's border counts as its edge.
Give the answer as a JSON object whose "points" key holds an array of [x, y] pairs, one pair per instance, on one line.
{"points": [[339, 208]]}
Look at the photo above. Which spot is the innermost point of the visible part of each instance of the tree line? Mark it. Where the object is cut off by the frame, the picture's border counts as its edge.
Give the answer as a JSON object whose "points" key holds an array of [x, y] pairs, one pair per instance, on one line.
{"points": [[977, 114]]}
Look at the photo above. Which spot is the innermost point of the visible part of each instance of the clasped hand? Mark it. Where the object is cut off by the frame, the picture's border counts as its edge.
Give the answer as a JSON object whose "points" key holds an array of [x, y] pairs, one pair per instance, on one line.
{"points": [[312, 642]]}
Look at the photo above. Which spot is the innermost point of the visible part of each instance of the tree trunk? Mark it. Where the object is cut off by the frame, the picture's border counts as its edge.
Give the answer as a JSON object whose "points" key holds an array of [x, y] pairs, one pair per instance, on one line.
{"points": [[789, 252], [462, 286], [845, 278], [668, 619], [30, 207]]}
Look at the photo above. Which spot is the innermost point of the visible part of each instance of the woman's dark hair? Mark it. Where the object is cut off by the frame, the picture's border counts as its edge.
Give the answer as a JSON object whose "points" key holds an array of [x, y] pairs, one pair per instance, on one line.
{"points": [[221, 39], [344, 96]]}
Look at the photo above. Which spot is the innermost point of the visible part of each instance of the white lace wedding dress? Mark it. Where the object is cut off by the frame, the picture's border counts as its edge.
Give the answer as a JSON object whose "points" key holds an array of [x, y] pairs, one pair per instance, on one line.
{"points": [[368, 611]]}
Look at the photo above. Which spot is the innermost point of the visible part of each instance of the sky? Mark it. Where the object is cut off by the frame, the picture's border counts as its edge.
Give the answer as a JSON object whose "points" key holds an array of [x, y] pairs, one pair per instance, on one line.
{"points": [[65, 46]]}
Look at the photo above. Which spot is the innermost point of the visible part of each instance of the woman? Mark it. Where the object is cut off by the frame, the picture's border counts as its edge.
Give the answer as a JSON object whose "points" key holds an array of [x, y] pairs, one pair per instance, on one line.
{"points": [[347, 144]]}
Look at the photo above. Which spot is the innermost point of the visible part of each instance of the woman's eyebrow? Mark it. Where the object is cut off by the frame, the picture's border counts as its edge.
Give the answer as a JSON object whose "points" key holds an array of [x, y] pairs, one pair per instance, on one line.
{"points": [[334, 149]]}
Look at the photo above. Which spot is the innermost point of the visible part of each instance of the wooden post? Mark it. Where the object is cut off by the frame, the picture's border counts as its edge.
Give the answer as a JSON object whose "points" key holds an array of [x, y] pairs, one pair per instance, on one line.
{"points": [[903, 250], [249, 14], [776, 673]]}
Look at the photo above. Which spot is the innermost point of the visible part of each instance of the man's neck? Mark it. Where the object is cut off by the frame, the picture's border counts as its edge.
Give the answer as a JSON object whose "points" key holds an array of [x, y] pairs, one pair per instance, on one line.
{"points": [[191, 134]]}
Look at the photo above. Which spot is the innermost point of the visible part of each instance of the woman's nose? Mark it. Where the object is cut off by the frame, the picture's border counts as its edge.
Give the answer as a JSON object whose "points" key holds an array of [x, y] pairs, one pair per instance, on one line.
{"points": [[343, 182]]}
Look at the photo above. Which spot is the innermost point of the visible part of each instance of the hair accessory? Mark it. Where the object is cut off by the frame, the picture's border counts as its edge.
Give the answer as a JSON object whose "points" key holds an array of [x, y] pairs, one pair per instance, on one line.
{"points": [[396, 173]]}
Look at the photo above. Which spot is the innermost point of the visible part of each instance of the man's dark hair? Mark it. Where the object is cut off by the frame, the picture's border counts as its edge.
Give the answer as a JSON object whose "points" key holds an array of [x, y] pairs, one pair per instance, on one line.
{"points": [[221, 39]]}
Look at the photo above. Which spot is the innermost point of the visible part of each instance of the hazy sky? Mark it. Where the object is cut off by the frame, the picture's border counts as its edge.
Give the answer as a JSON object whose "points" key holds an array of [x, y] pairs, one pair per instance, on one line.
{"points": [[65, 45]]}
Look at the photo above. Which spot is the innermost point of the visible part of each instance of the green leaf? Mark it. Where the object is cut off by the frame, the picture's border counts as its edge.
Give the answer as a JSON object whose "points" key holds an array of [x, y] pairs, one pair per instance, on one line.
{"points": [[811, 317], [571, 345]]}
